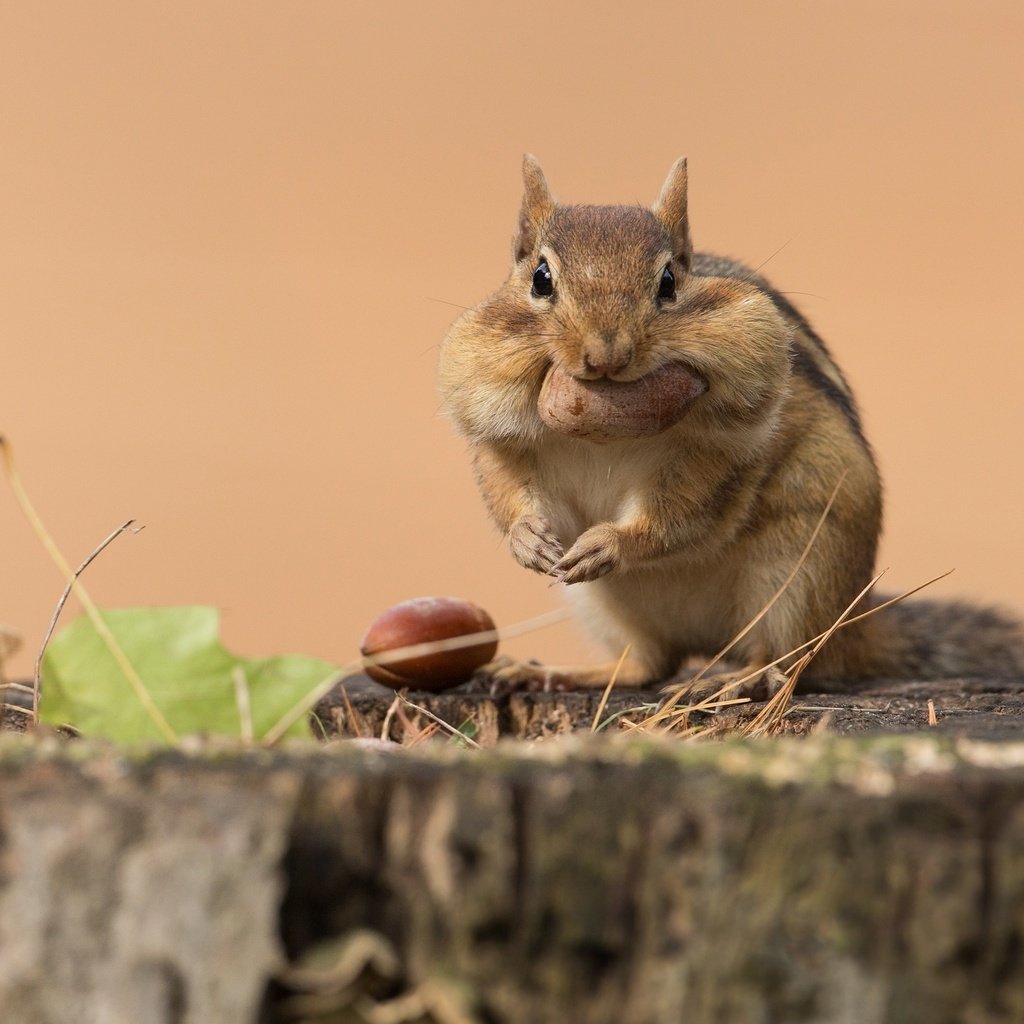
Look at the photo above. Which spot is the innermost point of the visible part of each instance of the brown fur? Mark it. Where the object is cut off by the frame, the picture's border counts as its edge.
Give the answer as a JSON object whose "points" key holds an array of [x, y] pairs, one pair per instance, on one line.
{"points": [[673, 543]]}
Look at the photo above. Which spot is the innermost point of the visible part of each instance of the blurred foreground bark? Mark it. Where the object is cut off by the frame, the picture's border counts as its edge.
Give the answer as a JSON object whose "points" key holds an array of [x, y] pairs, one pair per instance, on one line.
{"points": [[824, 879]]}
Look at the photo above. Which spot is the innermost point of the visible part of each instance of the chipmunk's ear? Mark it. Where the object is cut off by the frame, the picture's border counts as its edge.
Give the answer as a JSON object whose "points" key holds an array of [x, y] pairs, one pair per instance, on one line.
{"points": [[670, 209], [537, 207]]}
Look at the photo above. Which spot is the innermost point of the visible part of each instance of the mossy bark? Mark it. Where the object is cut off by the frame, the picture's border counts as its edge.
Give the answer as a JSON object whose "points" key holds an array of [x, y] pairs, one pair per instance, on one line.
{"points": [[821, 880]]}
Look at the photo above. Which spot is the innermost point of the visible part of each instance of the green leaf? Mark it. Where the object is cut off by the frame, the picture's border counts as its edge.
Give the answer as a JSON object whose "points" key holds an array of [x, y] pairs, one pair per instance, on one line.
{"points": [[190, 676], [467, 729]]}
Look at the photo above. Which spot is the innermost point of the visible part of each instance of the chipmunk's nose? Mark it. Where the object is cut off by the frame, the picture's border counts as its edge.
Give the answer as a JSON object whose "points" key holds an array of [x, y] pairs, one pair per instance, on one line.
{"points": [[605, 356]]}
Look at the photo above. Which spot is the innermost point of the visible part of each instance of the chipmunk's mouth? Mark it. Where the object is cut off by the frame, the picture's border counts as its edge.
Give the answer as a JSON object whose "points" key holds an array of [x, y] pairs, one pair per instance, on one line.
{"points": [[603, 409]]}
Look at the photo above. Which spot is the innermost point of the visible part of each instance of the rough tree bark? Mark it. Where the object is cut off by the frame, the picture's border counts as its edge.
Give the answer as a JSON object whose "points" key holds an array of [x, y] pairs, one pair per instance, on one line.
{"points": [[981, 708], [827, 880]]}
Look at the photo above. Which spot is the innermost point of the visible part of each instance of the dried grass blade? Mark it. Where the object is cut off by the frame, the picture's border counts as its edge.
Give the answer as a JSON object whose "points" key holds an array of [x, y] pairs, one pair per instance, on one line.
{"points": [[37, 675], [243, 700], [608, 689], [350, 712], [102, 629], [385, 728], [440, 721], [456, 643], [303, 706], [775, 597], [774, 711]]}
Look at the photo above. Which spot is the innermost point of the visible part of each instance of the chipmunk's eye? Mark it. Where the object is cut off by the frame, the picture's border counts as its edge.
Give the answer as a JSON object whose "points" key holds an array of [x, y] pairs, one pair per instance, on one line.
{"points": [[667, 286], [543, 286]]}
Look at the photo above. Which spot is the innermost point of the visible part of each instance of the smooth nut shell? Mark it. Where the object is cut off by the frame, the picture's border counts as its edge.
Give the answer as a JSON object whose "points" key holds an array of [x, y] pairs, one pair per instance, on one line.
{"points": [[422, 620], [601, 410]]}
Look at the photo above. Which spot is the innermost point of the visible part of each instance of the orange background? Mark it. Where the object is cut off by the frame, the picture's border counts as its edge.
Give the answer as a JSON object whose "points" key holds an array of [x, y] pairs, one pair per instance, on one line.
{"points": [[230, 235]]}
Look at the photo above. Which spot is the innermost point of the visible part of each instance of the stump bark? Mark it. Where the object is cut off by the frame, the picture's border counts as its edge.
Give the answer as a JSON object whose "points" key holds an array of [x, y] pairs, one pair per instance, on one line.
{"points": [[979, 708], [824, 879]]}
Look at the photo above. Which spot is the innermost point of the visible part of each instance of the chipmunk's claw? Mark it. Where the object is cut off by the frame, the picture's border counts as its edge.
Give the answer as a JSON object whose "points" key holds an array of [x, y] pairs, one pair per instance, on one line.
{"points": [[505, 675], [595, 554], [533, 543]]}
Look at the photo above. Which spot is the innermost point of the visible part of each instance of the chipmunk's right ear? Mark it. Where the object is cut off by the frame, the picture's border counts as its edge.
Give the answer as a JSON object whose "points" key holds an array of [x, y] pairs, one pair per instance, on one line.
{"points": [[536, 209], [670, 209]]}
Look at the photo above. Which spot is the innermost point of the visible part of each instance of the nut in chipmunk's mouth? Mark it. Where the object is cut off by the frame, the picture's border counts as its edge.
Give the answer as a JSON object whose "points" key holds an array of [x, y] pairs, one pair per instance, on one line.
{"points": [[602, 410]]}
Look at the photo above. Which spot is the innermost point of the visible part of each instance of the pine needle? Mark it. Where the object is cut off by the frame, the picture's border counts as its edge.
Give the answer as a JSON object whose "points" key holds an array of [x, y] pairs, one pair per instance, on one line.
{"points": [[244, 702]]}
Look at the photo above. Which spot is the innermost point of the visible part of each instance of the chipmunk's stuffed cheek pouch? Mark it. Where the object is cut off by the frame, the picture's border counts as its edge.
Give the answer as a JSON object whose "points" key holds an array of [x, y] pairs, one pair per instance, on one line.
{"points": [[602, 410]]}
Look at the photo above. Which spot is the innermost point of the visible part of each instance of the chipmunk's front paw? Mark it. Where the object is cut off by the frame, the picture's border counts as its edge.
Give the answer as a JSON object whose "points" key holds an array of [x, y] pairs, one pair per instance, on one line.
{"points": [[505, 675], [595, 554], [534, 544]]}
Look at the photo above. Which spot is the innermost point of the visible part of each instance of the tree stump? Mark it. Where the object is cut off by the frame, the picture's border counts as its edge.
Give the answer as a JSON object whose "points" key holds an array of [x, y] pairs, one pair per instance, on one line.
{"points": [[981, 708], [876, 880]]}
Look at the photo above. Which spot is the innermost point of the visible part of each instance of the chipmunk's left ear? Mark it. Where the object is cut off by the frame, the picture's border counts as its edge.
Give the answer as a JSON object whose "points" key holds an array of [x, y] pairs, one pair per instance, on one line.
{"points": [[670, 209], [536, 209]]}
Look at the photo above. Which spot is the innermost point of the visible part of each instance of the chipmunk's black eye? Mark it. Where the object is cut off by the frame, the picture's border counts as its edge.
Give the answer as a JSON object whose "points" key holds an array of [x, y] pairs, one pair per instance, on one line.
{"points": [[543, 285], [667, 286]]}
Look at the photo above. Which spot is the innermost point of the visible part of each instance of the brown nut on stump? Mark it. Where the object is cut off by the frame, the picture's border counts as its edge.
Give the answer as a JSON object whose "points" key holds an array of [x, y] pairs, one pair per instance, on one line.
{"points": [[422, 620], [602, 410]]}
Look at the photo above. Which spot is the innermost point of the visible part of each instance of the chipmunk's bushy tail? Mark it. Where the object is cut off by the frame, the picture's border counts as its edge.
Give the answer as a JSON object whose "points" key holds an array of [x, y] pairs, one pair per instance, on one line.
{"points": [[946, 639]]}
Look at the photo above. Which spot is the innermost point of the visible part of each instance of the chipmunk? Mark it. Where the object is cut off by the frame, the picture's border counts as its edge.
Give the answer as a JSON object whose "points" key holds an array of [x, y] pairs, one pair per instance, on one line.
{"points": [[661, 431]]}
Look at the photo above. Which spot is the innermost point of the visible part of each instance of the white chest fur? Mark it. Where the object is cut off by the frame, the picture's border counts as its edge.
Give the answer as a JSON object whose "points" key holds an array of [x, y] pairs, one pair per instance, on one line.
{"points": [[583, 483], [681, 602]]}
